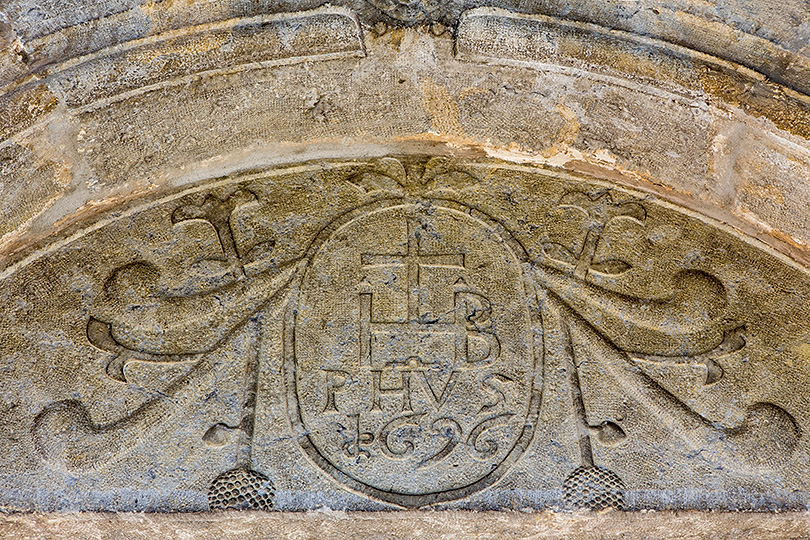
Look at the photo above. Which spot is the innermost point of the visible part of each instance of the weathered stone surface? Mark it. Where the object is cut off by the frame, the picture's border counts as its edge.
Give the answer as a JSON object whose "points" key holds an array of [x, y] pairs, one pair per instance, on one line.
{"points": [[25, 107], [406, 331], [449, 525], [653, 115], [265, 258], [256, 41], [768, 36]]}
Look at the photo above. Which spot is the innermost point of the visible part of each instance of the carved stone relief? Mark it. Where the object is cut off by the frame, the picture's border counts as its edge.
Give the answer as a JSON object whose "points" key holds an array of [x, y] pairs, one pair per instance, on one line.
{"points": [[404, 332]]}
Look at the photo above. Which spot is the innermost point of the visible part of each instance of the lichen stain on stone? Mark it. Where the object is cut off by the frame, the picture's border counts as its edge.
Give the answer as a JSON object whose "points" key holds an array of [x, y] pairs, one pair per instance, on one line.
{"points": [[759, 99], [442, 109], [394, 37], [21, 109], [568, 133], [184, 46], [767, 191], [618, 54]]}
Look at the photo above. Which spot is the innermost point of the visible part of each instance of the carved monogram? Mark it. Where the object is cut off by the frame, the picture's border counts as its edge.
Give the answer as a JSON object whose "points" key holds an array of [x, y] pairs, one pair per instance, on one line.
{"points": [[418, 337], [440, 371]]}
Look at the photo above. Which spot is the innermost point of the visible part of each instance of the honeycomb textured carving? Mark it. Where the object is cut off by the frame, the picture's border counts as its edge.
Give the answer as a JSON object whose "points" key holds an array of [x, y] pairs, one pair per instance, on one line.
{"points": [[241, 489], [594, 488]]}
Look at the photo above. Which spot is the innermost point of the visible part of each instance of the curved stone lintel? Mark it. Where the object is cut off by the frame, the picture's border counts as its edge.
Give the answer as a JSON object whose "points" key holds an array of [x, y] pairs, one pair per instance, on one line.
{"points": [[268, 261]]}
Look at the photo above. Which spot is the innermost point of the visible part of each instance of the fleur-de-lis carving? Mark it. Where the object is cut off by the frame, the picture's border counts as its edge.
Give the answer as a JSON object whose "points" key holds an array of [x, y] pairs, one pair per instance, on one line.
{"points": [[687, 325], [138, 317], [426, 179], [231, 218], [600, 210]]}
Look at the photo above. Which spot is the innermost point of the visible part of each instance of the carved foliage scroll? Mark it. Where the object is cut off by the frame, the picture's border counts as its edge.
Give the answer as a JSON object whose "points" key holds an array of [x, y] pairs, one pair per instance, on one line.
{"points": [[423, 330]]}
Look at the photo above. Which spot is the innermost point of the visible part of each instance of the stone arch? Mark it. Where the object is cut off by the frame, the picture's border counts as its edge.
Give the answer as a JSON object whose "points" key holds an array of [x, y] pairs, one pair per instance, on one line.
{"points": [[166, 166]]}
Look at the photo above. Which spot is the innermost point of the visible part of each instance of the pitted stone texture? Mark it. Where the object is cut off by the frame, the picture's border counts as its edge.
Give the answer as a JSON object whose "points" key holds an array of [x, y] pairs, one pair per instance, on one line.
{"points": [[643, 113], [405, 332], [241, 489], [381, 268], [594, 488], [331, 525], [733, 28]]}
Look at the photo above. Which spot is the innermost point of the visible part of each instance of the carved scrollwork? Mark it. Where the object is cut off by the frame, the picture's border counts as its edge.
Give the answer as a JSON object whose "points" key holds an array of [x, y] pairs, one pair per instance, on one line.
{"points": [[138, 319], [418, 333], [688, 327]]}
